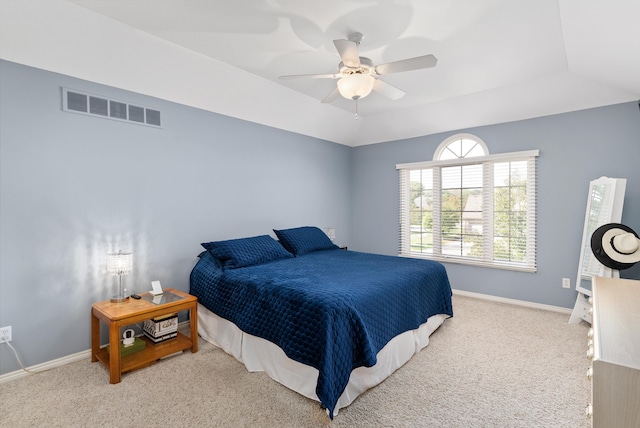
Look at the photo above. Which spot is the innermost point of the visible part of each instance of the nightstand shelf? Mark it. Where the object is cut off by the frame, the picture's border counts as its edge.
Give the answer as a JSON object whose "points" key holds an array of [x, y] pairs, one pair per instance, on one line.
{"points": [[149, 355], [119, 315]]}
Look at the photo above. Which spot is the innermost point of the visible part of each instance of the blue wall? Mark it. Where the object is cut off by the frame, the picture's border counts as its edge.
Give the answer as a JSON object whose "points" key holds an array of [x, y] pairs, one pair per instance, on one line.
{"points": [[74, 188], [575, 148]]}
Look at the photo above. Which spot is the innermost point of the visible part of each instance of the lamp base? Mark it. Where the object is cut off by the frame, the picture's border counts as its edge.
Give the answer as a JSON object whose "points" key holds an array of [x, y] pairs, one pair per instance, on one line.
{"points": [[119, 299]]}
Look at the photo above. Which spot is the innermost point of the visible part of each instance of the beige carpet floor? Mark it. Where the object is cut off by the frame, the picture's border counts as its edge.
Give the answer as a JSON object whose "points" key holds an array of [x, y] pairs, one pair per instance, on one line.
{"points": [[492, 365]]}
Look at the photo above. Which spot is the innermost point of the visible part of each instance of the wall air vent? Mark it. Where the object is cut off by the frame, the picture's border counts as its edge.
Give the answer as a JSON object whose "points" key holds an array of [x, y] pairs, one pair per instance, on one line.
{"points": [[94, 105]]}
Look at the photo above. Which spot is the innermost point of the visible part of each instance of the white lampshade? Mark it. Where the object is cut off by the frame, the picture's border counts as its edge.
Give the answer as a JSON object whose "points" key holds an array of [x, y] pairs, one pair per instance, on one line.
{"points": [[119, 263], [356, 86], [330, 232]]}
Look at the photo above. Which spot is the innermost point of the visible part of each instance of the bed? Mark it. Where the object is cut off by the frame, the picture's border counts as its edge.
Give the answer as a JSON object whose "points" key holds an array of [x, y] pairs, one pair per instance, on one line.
{"points": [[322, 321]]}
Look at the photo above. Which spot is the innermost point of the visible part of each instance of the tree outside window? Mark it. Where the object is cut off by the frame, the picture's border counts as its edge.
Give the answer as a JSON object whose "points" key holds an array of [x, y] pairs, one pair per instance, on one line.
{"points": [[469, 206]]}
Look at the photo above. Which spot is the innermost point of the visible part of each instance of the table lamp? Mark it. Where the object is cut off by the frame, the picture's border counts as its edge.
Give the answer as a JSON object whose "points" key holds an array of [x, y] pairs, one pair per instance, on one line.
{"points": [[330, 232], [119, 264]]}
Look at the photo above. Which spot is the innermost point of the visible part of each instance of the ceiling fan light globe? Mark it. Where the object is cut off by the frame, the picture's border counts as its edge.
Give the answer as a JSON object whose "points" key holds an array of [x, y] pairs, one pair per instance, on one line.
{"points": [[355, 86]]}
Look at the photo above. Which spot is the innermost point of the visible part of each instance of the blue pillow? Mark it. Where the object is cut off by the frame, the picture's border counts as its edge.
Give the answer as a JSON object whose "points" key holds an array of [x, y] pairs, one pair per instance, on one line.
{"points": [[303, 240], [237, 253]]}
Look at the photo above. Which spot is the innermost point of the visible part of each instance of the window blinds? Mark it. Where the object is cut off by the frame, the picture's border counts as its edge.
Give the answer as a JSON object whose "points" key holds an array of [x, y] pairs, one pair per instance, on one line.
{"points": [[479, 211]]}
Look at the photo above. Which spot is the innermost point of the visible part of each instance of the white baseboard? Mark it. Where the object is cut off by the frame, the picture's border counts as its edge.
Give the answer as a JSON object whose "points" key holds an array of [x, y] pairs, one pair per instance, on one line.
{"points": [[513, 301], [87, 354], [58, 362]]}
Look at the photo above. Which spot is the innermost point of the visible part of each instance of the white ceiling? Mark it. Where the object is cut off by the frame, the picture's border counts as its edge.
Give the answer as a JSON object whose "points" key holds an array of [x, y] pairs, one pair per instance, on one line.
{"points": [[498, 60]]}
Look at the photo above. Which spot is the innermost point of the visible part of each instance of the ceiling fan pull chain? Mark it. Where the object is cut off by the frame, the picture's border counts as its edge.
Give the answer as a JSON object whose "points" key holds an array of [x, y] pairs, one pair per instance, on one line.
{"points": [[356, 109]]}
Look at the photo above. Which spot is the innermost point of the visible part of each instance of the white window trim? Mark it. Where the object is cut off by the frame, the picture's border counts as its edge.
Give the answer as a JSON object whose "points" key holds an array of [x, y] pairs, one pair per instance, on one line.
{"points": [[405, 245], [513, 156], [445, 144]]}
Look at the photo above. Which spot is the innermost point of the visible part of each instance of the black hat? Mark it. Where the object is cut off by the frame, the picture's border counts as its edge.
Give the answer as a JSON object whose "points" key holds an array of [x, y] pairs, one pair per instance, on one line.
{"points": [[616, 246]]}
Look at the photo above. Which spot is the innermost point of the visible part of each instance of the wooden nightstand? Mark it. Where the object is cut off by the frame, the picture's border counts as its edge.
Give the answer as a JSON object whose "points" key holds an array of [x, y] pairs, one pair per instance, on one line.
{"points": [[118, 315]]}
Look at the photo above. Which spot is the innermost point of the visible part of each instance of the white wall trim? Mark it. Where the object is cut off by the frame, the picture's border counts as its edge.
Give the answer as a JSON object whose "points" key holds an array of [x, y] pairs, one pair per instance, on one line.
{"points": [[59, 362], [513, 301], [48, 365]]}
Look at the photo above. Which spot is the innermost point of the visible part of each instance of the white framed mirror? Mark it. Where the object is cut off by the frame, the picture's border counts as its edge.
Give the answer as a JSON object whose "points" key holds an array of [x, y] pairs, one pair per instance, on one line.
{"points": [[604, 205]]}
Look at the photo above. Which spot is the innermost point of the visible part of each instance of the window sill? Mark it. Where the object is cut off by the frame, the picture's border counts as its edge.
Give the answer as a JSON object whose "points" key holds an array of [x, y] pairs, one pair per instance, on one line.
{"points": [[520, 267]]}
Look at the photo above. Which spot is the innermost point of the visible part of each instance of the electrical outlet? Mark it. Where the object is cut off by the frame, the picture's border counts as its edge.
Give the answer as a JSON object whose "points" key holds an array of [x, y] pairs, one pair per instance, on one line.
{"points": [[5, 334], [566, 283]]}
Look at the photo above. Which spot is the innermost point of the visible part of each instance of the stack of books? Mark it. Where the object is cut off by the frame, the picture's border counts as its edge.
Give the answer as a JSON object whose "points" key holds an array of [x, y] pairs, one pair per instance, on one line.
{"points": [[161, 328]]}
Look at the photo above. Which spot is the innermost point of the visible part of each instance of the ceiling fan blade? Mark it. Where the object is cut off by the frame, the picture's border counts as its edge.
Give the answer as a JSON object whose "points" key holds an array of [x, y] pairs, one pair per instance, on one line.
{"points": [[425, 61], [388, 90], [348, 51], [331, 97], [309, 76]]}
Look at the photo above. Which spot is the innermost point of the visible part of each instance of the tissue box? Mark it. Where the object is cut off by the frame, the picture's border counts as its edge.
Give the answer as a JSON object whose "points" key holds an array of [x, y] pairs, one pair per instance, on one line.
{"points": [[138, 345]]}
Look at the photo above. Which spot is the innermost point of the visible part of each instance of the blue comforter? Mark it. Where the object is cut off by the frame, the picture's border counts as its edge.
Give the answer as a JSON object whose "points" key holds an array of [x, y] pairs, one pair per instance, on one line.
{"points": [[333, 310]]}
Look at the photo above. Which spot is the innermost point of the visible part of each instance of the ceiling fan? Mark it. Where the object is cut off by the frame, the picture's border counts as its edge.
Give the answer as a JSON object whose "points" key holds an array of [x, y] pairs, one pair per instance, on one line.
{"points": [[358, 76]]}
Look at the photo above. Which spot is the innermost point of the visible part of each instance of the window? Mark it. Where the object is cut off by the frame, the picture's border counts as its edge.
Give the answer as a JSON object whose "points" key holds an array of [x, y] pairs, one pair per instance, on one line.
{"points": [[467, 206]]}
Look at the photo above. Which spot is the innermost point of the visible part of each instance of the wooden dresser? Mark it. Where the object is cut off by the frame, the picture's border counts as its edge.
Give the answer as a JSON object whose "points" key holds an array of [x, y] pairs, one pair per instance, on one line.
{"points": [[614, 350]]}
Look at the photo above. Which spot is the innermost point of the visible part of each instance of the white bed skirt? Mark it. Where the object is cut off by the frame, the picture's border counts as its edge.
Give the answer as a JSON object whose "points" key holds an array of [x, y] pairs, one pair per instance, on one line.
{"points": [[258, 354]]}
